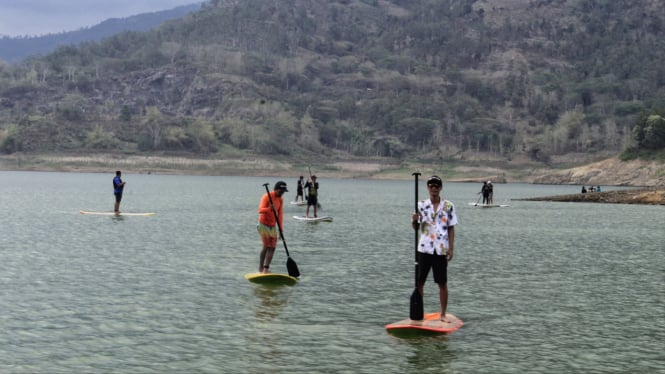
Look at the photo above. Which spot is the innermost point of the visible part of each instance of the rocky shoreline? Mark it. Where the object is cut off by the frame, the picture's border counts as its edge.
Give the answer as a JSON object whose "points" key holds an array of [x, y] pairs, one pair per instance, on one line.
{"points": [[650, 196]]}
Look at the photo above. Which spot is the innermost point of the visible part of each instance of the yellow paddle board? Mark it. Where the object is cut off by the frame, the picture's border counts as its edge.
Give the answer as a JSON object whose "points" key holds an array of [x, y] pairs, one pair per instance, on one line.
{"points": [[272, 279]]}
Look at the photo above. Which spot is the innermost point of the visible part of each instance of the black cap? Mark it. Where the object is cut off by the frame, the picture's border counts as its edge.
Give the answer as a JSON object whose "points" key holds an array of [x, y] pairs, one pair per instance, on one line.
{"points": [[281, 185], [434, 180], [313, 176]]}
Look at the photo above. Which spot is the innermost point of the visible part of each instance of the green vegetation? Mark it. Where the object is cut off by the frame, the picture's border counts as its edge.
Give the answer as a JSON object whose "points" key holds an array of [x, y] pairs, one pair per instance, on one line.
{"points": [[649, 136], [428, 78]]}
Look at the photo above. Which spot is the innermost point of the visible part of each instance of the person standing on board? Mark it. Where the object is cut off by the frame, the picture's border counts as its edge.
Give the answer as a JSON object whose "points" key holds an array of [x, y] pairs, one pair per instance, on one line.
{"points": [[436, 219], [490, 197], [312, 195], [300, 188], [267, 225], [485, 191], [118, 186]]}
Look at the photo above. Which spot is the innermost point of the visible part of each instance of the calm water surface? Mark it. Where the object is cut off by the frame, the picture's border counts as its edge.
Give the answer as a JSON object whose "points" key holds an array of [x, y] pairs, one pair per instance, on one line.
{"points": [[542, 287]]}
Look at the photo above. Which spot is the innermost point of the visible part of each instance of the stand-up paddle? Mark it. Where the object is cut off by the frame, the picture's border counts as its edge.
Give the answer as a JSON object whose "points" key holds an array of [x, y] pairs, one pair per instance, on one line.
{"points": [[291, 265], [416, 312]]}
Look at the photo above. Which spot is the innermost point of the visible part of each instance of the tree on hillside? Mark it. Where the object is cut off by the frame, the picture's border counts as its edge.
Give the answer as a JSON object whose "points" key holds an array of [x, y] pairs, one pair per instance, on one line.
{"points": [[152, 126], [649, 131]]}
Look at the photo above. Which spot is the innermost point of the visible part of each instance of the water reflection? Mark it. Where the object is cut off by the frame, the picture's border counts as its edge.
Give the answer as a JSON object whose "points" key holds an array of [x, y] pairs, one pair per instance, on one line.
{"points": [[429, 350], [270, 301], [117, 218]]}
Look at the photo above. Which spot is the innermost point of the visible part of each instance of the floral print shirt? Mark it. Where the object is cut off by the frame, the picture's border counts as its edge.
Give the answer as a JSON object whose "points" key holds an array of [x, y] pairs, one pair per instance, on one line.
{"points": [[434, 226]]}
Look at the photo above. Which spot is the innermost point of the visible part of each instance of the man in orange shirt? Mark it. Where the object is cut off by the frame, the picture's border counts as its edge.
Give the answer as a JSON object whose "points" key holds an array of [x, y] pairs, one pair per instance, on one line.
{"points": [[267, 225]]}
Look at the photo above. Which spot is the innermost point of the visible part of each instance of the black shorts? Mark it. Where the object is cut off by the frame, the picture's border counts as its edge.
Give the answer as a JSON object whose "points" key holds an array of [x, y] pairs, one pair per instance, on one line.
{"points": [[438, 264], [118, 197], [312, 200]]}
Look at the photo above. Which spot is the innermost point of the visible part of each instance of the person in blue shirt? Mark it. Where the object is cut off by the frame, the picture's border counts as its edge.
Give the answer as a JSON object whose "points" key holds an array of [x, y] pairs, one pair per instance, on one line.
{"points": [[118, 186]]}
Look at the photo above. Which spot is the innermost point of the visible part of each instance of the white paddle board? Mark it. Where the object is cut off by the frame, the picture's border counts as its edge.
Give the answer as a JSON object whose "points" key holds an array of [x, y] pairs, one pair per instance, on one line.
{"points": [[314, 219], [489, 205], [116, 214]]}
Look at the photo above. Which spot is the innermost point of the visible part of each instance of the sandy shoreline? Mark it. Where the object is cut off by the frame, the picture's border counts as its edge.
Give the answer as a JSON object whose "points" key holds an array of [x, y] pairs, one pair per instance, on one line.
{"points": [[248, 166]]}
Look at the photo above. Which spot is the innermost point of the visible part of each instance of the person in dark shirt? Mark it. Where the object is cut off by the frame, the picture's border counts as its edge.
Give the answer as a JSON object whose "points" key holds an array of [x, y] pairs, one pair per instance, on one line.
{"points": [[118, 186], [312, 194], [300, 189]]}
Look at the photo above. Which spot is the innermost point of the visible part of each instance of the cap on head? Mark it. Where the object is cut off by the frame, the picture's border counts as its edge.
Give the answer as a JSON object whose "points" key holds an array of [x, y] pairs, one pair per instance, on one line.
{"points": [[434, 180], [313, 176], [281, 185]]}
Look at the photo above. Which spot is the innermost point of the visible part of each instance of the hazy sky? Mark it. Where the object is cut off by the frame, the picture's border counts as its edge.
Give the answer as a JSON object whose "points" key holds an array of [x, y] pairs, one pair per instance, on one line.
{"points": [[39, 17]]}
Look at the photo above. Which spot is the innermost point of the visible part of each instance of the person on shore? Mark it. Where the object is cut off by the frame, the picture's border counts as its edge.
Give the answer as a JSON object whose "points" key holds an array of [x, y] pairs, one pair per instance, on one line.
{"points": [[268, 225], [300, 189], [583, 189], [312, 195], [436, 219], [118, 187]]}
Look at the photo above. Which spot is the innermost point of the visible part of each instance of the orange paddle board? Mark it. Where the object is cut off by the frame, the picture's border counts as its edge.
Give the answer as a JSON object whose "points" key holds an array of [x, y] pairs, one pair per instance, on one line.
{"points": [[431, 323]]}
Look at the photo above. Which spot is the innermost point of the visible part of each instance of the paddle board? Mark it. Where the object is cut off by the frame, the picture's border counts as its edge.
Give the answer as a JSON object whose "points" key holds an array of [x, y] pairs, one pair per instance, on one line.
{"points": [[312, 219], [431, 324], [299, 203], [489, 205], [272, 279], [116, 214]]}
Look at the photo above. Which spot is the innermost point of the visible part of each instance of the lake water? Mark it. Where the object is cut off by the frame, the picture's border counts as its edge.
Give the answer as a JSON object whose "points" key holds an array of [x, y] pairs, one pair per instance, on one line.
{"points": [[542, 287]]}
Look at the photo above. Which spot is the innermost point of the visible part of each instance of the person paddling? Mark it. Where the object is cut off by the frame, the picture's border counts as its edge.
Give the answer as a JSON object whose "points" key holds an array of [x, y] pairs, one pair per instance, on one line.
{"points": [[312, 195], [436, 219], [268, 224]]}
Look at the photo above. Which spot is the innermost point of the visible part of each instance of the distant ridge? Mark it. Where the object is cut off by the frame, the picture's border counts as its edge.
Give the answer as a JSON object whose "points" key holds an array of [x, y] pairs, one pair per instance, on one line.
{"points": [[15, 49]]}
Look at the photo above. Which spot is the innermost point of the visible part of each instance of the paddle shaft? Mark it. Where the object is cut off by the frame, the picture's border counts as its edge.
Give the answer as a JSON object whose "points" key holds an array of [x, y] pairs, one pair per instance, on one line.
{"points": [[416, 238], [416, 311]]}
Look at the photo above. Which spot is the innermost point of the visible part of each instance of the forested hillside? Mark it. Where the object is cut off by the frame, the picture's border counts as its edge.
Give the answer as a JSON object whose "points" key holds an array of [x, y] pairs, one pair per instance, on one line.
{"points": [[393, 78]]}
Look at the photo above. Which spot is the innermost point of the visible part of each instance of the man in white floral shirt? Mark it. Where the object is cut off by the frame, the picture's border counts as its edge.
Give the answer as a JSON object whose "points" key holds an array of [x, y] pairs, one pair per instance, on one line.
{"points": [[436, 219]]}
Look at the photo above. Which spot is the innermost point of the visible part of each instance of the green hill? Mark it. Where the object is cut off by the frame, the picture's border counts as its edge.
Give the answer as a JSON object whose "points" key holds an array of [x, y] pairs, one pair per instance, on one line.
{"points": [[433, 79]]}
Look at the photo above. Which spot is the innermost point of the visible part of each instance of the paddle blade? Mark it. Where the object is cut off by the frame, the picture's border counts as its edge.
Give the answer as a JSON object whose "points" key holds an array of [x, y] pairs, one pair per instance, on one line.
{"points": [[416, 312], [292, 267]]}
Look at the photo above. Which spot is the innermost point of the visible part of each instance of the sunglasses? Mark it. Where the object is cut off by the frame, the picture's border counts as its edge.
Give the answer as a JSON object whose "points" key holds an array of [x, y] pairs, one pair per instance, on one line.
{"points": [[434, 185]]}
